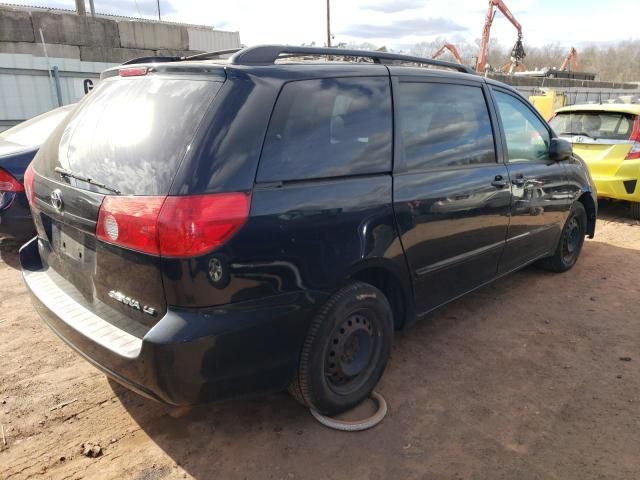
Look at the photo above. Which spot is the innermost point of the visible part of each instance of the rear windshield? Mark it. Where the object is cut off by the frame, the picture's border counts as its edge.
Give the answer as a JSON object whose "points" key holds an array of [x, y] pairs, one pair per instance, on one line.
{"points": [[597, 125], [130, 134]]}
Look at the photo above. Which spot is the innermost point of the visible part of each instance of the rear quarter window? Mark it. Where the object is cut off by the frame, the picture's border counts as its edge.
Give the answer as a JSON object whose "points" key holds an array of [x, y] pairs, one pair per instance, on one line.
{"points": [[328, 128]]}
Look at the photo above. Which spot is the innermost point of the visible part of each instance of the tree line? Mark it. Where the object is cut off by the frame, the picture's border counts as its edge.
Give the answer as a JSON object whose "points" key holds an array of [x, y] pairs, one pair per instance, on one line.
{"points": [[619, 62]]}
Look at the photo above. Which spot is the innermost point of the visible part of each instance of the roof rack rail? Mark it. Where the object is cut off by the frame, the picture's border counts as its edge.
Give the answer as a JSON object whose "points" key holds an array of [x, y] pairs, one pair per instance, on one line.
{"points": [[267, 54]]}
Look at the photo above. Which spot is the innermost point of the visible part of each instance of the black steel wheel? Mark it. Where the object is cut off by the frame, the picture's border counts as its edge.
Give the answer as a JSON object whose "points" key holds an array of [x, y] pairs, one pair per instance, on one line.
{"points": [[349, 352], [346, 350], [571, 240], [570, 243]]}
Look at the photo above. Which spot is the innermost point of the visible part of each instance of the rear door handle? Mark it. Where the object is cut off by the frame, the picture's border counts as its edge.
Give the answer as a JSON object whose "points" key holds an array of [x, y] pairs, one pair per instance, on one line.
{"points": [[499, 181]]}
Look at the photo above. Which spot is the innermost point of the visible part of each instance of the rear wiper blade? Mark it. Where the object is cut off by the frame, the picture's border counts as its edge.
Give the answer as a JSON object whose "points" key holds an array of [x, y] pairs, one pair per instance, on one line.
{"points": [[67, 173]]}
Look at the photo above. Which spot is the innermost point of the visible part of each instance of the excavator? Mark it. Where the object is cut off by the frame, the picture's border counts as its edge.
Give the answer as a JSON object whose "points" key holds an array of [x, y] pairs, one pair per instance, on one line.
{"points": [[570, 62], [517, 53], [452, 48]]}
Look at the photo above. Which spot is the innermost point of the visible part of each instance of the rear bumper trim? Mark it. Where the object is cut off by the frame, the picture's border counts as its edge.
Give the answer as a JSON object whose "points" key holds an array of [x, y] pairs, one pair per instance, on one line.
{"points": [[80, 318], [190, 355]]}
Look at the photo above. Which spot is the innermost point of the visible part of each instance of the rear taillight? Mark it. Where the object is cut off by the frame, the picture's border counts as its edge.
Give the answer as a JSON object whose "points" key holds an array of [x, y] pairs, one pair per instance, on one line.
{"points": [[130, 222], [634, 153], [193, 225], [183, 226], [8, 183]]}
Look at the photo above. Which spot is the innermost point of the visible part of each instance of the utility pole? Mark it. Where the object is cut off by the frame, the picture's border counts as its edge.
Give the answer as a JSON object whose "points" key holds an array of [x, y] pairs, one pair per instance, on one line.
{"points": [[80, 8], [328, 23], [158, 3], [92, 8]]}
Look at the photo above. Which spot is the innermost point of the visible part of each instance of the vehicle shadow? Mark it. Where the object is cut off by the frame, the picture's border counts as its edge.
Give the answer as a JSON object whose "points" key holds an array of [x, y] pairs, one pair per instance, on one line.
{"points": [[526, 340], [615, 211], [9, 255]]}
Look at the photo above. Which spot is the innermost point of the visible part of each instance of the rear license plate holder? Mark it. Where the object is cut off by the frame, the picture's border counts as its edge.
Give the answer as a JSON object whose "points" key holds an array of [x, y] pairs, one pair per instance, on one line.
{"points": [[67, 245]]}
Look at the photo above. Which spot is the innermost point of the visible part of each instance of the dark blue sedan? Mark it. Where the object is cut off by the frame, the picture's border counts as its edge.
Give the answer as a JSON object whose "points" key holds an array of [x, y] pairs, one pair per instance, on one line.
{"points": [[18, 146]]}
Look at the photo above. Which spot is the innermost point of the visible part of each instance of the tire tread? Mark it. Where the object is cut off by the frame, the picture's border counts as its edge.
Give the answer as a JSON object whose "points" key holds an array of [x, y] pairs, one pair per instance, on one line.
{"points": [[299, 388]]}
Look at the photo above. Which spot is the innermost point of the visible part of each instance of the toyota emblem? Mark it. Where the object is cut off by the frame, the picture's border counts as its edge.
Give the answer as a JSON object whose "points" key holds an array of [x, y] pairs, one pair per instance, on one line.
{"points": [[56, 200]]}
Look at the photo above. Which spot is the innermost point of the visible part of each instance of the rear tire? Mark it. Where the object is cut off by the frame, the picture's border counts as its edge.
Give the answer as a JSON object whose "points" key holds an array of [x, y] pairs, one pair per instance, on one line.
{"points": [[346, 350], [570, 243], [635, 210]]}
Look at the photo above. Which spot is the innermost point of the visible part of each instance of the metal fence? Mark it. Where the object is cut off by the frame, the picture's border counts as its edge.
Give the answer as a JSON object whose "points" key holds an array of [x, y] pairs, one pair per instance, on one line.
{"points": [[580, 95], [32, 85]]}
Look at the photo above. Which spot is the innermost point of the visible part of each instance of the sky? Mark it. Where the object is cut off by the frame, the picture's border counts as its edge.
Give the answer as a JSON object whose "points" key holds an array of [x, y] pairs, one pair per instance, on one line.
{"points": [[397, 24]]}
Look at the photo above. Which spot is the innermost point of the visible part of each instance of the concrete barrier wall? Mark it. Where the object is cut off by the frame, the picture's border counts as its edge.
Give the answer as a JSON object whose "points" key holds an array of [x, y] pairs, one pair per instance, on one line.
{"points": [[207, 40], [103, 38], [81, 47], [15, 26], [71, 29]]}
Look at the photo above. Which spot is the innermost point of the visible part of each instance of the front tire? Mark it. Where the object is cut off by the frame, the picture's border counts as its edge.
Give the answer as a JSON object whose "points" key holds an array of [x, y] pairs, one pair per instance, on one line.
{"points": [[346, 350], [570, 243], [635, 210]]}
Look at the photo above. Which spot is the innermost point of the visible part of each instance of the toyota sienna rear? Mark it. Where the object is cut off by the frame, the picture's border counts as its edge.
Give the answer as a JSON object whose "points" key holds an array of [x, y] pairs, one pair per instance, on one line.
{"points": [[209, 228]]}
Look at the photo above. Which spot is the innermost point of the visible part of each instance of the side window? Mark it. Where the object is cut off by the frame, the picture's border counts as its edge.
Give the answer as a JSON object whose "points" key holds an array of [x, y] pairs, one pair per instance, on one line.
{"points": [[444, 125], [527, 138], [329, 128]]}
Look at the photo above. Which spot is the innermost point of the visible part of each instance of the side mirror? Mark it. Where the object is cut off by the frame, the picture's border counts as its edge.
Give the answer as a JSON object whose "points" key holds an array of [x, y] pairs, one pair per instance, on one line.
{"points": [[560, 149]]}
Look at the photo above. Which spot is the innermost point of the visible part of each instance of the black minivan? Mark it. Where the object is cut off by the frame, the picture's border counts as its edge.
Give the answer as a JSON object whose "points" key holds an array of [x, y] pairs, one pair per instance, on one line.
{"points": [[210, 226]]}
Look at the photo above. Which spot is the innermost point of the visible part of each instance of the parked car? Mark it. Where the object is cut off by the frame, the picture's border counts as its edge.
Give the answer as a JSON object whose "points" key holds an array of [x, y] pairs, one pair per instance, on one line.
{"points": [[18, 145], [607, 137], [210, 228]]}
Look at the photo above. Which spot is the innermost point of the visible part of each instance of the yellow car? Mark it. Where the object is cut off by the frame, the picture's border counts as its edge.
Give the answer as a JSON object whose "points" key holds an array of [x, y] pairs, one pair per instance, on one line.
{"points": [[607, 137]]}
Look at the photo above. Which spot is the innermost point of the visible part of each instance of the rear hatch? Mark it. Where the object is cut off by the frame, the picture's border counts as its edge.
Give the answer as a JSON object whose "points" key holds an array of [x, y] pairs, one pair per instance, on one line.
{"points": [[604, 139], [126, 139]]}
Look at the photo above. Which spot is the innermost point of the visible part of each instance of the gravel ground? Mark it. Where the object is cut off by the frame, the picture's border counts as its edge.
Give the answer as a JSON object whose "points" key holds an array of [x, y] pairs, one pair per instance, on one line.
{"points": [[535, 376]]}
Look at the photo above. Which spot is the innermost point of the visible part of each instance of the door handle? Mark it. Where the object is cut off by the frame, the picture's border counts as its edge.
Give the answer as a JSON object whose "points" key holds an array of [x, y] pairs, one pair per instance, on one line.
{"points": [[519, 180], [499, 181]]}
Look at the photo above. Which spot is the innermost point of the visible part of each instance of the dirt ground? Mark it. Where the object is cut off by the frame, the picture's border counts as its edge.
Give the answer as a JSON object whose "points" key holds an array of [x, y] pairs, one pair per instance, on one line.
{"points": [[535, 376]]}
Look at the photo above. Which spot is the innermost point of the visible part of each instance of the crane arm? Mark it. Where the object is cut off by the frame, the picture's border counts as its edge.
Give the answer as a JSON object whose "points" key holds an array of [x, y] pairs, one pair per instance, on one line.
{"points": [[452, 48], [486, 31], [500, 5], [570, 61]]}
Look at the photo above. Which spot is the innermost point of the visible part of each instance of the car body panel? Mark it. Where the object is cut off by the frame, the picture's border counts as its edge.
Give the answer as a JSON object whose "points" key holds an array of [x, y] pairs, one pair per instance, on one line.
{"points": [[453, 237], [16, 224], [608, 167], [606, 158], [435, 235], [194, 355], [15, 217], [540, 201]]}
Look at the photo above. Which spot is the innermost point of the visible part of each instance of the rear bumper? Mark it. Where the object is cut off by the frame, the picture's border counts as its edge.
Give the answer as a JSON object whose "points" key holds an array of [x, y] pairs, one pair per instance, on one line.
{"points": [[617, 179], [616, 187], [15, 219], [190, 355]]}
